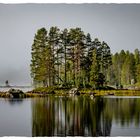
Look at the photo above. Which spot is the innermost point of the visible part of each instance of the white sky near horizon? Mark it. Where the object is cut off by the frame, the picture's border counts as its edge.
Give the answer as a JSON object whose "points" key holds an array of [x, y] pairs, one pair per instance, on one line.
{"points": [[116, 24]]}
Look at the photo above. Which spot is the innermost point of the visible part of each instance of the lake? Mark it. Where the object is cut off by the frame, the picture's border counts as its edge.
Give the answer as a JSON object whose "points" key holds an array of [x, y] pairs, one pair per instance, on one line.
{"points": [[70, 116]]}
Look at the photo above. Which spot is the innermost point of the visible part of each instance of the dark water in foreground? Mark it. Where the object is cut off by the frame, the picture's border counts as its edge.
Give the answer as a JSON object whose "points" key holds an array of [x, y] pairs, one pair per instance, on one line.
{"points": [[71, 116]]}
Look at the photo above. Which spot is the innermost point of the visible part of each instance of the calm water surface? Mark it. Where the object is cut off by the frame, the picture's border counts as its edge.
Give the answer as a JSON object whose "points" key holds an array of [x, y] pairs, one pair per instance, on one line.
{"points": [[71, 116]]}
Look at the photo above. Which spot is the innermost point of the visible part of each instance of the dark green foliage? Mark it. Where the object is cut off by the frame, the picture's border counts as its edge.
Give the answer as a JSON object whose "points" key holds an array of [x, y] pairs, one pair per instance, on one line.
{"points": [[69, 58], [137, 64], [77, 51], [38, 60], [94, 70], [101, 80], [42, 62], [138, 73], [64, 43]]}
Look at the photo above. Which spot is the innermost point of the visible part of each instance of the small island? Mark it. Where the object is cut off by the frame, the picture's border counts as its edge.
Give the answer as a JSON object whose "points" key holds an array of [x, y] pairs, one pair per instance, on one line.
{"points": [[69, 59]]}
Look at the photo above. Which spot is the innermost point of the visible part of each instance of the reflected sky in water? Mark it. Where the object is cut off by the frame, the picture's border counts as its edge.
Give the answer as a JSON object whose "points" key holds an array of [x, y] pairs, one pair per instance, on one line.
{"points": [[15, 117]]}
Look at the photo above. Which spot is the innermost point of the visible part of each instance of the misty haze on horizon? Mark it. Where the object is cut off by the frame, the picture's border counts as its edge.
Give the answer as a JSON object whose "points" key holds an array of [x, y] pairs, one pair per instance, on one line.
{"points": [[116, 24]]}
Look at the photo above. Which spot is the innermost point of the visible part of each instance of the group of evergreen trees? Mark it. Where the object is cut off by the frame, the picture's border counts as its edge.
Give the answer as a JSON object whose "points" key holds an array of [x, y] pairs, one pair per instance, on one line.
{"points": [[125, 69], [69, 58]]}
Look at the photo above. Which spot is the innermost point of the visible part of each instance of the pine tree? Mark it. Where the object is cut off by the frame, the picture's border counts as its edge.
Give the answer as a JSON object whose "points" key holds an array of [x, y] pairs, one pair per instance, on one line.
{"points": [[137, 63], [38, 69], [53, 40], [86, 60], [137, 56], [64, 49], [77, 38], [128, 69], [105, 59], [91, 45], [138, 73], [94, 73], [115, 79]]}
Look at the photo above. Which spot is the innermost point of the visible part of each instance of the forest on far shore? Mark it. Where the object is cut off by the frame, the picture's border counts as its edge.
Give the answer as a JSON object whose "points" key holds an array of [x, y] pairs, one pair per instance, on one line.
{"points": [[71, 58]]}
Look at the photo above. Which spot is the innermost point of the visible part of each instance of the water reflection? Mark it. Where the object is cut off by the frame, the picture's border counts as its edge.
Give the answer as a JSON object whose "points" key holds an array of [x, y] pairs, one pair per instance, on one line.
{"points": [[14, 101], [125, 111], [15, 117], [71, 116], [81, 116], [78, 116]]}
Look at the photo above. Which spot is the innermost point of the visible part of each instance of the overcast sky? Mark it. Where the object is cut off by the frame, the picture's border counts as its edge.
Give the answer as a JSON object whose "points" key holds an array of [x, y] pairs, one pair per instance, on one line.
{"points": [[118, 25]]}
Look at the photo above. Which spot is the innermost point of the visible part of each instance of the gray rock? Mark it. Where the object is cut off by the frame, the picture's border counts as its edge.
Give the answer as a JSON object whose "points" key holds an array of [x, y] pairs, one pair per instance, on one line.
{"points": [[16, 93], [74, 91]]}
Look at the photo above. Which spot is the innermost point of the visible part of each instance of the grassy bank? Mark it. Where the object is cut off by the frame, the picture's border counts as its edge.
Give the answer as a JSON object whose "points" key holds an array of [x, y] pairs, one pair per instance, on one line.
{"points": [[116, 92], [42, 92], [86, 91]]}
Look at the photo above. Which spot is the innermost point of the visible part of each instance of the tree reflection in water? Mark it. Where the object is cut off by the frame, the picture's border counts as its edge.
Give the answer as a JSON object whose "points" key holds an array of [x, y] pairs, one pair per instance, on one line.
{"points": [[14, 101], [77, 116], [81, 116]]}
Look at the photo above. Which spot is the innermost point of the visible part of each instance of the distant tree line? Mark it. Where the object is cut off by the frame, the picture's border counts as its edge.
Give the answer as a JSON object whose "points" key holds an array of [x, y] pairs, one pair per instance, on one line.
{"points": [[125, 69], [70, 57]]}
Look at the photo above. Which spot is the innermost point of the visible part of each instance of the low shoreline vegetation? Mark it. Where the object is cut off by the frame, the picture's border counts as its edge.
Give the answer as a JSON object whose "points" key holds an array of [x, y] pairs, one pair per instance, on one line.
{"points": [[55, 91]]}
